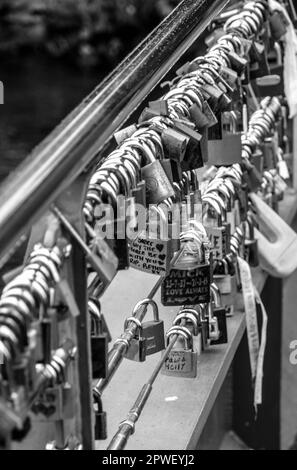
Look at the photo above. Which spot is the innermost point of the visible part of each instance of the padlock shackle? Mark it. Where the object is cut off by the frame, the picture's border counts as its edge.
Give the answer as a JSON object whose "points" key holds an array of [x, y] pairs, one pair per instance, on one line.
{"points": [[216, 295], [187, 316]]}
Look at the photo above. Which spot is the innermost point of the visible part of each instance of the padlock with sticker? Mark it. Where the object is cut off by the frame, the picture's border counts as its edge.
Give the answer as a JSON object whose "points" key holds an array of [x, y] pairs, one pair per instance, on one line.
{"points": [[152, 250]]}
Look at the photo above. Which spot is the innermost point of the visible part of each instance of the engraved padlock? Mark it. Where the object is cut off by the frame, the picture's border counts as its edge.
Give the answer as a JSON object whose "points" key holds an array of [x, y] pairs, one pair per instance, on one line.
{"points": [[152, 331], [137, 348], [158, 186], [182, 360]]}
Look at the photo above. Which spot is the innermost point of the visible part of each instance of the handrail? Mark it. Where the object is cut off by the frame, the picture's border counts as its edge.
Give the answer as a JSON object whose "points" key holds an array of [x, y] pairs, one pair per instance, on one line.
{"points": [[75, 143]]}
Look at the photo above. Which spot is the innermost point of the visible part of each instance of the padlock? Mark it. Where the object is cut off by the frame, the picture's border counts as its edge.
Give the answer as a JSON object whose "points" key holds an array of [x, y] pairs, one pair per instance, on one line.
{"points": [[175, 144], [158, 187], [227, 284], [218, 333], [269, 154], [137, 348], [100, 420], [152, 331], [188, 283], [182, 361], [251, 245], [152, 252], [99, 342]]}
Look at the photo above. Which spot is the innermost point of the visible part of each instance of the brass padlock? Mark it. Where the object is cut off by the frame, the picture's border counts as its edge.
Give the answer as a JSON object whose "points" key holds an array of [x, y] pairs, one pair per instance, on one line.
{"points": [[152, 331], [182, 361], [137, 348]]}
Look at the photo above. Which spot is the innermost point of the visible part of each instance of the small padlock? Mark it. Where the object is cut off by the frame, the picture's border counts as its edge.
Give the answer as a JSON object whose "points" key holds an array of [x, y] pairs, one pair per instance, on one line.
{"points": [[218, 332], [188, 283], [100, 420], [152, 331], [192, 319], [182, 361], [99, 342], [175, 144], [251, 245], [137, 348]]}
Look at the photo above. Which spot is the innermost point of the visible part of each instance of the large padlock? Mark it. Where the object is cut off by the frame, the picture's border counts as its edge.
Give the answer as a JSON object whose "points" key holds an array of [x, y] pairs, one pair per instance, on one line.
{"points": [[152, 252], [182, 360], [137, 349], [152, 331]]}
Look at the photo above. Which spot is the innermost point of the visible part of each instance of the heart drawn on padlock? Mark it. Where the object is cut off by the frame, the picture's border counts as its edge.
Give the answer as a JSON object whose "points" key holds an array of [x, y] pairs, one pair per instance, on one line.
{"points": [[160, 248]]}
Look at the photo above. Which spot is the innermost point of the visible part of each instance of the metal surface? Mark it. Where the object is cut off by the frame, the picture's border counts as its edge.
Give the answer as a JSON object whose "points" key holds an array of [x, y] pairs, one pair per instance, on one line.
{"points": [[75, 143]]}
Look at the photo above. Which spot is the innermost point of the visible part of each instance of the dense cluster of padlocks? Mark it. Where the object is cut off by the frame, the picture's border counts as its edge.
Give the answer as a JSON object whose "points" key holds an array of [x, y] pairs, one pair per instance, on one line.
{"points": [[193, 228]]}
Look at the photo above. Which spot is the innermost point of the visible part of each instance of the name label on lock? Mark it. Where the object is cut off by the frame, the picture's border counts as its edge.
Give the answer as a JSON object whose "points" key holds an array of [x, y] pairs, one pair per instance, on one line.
{"points": [[186, 288], [176, 362]]}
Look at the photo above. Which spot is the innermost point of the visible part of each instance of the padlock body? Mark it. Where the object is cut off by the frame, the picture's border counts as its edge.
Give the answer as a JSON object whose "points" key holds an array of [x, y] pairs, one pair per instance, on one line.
{"points": [[225, 152], [181, 363], [153, 332], [187, 287], [137, 350], [158, 187], [99, 349], [220, 314], [151, 255]]}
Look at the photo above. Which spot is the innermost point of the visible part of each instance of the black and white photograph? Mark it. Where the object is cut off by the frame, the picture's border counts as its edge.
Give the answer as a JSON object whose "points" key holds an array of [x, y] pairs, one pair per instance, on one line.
{"points": [[148, 228]]}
